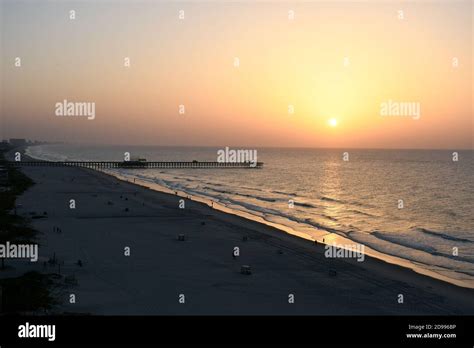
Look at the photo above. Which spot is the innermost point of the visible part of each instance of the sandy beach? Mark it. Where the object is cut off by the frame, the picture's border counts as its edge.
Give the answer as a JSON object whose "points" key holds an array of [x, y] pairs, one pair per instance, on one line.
{"points": [[111, 215]]}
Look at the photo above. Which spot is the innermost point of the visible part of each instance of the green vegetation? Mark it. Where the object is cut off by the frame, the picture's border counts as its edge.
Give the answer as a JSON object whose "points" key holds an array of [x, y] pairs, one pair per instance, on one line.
{"points": [[29, 292], [18, 183], [32, 291], [14, 228]]}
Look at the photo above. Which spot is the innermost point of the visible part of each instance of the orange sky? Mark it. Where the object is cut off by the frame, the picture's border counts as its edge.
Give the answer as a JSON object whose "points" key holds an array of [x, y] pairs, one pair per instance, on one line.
{"points": [[283, 62]]}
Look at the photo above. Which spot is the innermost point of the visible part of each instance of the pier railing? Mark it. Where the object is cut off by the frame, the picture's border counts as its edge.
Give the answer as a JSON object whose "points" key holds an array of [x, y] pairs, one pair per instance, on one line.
{"points": [[136, 165]]}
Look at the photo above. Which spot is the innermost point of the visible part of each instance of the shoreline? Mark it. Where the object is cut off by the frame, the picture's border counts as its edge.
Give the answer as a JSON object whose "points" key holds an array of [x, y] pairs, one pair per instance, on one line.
{"points": [[329, 237], [281, 263]]}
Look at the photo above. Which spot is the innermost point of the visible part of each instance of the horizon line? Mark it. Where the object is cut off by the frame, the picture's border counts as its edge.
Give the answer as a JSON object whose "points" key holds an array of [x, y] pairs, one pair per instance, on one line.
{"points": [[44, 142]]}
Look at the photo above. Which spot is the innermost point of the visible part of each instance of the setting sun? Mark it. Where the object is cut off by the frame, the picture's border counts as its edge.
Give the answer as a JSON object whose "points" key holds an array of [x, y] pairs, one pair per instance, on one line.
{"points": [[332, 122]]}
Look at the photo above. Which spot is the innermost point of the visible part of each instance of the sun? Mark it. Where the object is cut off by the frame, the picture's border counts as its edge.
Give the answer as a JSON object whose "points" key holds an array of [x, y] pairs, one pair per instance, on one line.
{"points": [[332, 122]]}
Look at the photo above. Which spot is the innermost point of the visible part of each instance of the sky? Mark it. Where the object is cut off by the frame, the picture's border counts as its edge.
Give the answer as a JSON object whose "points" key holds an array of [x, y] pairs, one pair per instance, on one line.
{"points": [[309, 74]]}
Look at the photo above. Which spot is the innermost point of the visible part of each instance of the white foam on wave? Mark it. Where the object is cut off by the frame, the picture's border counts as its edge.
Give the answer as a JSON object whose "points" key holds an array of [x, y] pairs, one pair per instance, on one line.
{"points": [[44, 153]]}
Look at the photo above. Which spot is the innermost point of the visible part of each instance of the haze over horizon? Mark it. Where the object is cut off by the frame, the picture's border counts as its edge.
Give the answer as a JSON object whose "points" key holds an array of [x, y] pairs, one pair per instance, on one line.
{"points": [[238, 146], [333, 65]]}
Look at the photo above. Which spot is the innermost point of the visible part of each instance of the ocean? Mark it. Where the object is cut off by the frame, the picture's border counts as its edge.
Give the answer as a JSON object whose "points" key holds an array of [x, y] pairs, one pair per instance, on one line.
{"points": [[416, 205]]}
